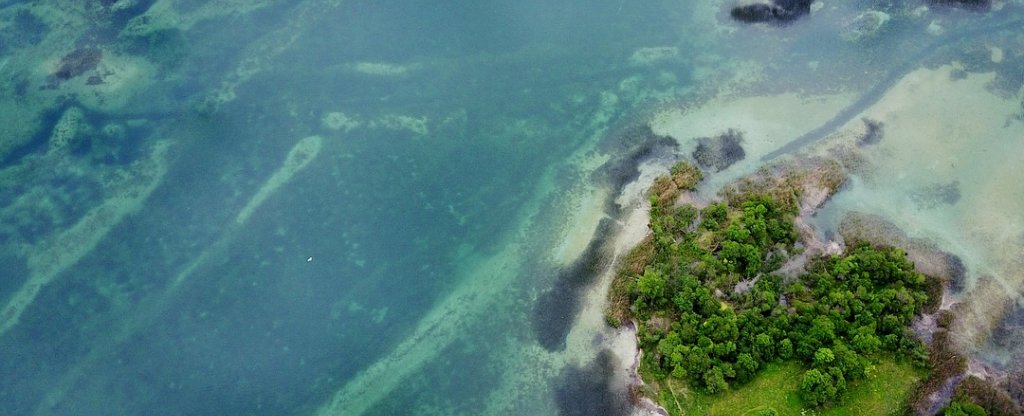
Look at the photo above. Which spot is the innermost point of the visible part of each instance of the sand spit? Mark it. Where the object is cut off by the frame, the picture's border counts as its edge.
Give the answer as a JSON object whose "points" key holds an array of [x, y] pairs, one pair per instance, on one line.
{"points": [[622, 341], [298, 158]]}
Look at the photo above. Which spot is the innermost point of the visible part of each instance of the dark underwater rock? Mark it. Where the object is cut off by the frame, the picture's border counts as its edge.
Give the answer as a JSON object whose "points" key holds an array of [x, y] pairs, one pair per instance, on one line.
{"points": [[966, 4], [78, 62], [773, 11], [753, 13], [557, 308], [623, 170], [932, 196], [873, 132], [720, 152], [588, 390], [956, 273]]}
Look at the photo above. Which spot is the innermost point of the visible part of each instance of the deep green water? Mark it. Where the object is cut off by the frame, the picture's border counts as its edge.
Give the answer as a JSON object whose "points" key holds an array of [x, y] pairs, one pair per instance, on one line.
{"points": [[393, 220]]}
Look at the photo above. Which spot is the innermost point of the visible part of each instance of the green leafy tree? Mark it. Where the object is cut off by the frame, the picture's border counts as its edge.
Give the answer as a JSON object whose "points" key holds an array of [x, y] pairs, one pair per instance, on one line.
{"points": [[764, 347], [651, 285], [741, 257], [866, 343], [714, 381], [746, 366], [722, 328], [785, 349], [852, 365], [724, 350], [822, 330], [698, 361], [668, 344], [817, 388], [707, 304], [823, 358], [838, 380]]}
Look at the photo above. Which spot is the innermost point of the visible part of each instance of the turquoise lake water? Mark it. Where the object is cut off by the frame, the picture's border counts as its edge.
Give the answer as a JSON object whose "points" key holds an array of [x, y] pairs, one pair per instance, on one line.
{"points": [[163, 255]]}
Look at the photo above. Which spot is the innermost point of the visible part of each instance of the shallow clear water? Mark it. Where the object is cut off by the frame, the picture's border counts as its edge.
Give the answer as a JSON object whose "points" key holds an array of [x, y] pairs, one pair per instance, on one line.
{"points": [[163, 254]]}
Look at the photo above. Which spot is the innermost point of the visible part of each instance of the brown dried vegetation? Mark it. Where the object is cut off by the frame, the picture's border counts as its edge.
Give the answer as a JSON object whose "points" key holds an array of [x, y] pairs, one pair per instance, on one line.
{"points": [[945, 362], [982, 393], [632, 265]]}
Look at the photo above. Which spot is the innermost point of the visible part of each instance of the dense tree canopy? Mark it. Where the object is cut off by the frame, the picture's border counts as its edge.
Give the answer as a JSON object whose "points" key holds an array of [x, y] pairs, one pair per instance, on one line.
{"points": [[712, 312]]}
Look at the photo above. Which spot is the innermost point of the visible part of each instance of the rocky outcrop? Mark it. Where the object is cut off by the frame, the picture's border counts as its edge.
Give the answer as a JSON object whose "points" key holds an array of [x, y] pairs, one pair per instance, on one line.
{"points": [[719, 152], [773, 11], [966, 4]]}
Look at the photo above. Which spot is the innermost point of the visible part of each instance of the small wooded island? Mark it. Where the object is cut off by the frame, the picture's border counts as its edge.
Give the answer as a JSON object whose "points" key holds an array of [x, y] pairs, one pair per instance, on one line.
{"points": [[736, 315]]}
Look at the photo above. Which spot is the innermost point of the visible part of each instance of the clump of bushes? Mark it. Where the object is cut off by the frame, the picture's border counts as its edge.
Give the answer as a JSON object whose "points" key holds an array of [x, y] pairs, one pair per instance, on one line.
{"points": [[974, 393], [963, 408], [665, 190]]}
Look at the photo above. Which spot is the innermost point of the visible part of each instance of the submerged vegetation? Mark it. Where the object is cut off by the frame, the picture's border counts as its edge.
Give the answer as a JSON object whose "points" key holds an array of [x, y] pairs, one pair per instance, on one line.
{"points": [[713, 312]]}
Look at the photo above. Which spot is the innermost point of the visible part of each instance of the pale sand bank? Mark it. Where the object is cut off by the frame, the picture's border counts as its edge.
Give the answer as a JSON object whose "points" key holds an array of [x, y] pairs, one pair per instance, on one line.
{"points": [[589, 334], [944, 131], [767, 123], [586, 213]]}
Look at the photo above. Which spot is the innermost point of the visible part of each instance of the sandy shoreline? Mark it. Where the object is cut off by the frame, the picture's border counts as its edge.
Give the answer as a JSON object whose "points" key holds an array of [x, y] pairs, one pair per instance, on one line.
{"points": [[763, 132], [926, 140], [590, 323]]}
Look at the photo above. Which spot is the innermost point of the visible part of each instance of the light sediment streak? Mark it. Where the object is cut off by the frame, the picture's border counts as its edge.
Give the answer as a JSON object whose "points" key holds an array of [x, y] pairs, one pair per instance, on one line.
{"points": [[300, 156], [298, 159], [49, 259]]}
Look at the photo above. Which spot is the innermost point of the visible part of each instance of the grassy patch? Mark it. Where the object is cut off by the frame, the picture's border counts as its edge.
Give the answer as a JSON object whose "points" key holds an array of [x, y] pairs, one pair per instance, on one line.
{"points": [[881, 393]]}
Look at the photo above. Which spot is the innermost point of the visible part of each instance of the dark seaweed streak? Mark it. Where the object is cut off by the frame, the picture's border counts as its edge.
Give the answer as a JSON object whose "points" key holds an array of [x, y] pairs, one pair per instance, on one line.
{"points": [[777, 11], [719, 152], [586, 392], [874, 132], [643, 145], [557, 308]]}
